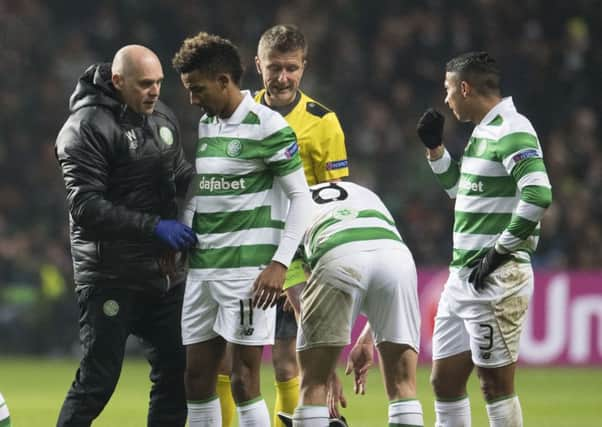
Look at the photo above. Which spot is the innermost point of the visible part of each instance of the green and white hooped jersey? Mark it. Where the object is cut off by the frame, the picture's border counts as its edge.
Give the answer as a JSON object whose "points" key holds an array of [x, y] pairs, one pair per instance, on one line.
{"points": [[238, 210], [348, 218], [4, 414], [501, 187]]}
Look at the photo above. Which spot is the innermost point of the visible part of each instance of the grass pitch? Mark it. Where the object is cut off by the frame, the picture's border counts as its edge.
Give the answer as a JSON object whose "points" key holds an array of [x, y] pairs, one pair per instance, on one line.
{"points": [[34, 389]]}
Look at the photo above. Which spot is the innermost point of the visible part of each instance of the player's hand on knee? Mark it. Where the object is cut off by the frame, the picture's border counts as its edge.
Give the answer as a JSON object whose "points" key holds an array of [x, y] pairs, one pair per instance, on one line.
{"points": [[483, 267], [268, 286], [359, 361], [335, 396]]}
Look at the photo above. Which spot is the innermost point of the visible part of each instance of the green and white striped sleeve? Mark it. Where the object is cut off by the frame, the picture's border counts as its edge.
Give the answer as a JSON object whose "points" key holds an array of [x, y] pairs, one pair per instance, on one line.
{"points": [[523, 159], [283, 157], [447, 171]]}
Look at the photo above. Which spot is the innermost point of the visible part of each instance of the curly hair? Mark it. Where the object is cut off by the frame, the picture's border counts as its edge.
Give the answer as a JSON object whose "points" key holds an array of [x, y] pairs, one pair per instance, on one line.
{"points": [[210, 54], [479, 69], [282, 38]]}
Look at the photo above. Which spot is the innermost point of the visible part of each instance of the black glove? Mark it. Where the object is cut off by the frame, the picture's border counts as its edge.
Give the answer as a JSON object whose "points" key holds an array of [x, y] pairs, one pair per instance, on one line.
{"points": [[175, 234], [430, 128], [483, 267]]}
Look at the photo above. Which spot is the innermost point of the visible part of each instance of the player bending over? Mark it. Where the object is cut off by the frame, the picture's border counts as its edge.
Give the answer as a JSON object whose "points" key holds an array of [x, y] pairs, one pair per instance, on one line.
{"points": [[358, 263]]}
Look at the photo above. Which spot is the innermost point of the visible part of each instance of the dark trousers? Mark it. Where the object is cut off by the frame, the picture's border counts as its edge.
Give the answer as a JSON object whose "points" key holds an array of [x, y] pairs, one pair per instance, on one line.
{"points": [[107, 317], [286, 324]]}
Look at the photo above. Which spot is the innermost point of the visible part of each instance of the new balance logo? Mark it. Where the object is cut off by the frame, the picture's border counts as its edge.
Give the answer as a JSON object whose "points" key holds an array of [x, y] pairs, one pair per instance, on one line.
{"points": [[247, 332], [130, 135]]}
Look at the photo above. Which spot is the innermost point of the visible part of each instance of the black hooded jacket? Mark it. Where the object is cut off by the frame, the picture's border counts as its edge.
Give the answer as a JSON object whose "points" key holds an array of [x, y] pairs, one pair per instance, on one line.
{"points": [[122, 171]]}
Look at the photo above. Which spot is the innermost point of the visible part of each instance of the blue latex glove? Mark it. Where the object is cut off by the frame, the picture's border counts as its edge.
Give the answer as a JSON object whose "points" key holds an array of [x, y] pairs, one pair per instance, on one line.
{"points": [[175, 234]]}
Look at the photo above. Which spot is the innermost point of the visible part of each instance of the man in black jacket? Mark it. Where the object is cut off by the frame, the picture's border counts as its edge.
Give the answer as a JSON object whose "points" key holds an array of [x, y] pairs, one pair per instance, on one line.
{"points": [[123, 167]]}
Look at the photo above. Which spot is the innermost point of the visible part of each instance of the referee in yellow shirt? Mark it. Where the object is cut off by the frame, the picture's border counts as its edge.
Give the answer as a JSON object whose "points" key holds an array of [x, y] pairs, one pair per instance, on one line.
{"points": [[281, 60]]}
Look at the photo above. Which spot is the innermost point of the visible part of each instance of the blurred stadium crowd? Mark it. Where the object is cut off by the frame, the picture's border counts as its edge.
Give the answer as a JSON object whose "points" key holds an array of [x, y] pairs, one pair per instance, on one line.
{"points": [[377, 64]]}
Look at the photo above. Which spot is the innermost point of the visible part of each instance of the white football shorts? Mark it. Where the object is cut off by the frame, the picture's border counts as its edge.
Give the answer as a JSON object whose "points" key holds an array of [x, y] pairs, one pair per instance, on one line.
{"points": [[380, 284], [224, 308], [488, 324]]}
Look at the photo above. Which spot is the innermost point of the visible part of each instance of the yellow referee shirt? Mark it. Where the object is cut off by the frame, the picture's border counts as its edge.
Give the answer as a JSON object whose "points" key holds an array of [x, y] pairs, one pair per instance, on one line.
{"points": [[319, 135]]}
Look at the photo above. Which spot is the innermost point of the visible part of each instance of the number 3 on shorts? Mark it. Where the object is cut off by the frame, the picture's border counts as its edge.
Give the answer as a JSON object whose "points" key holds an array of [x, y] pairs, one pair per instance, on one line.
{"points": [[487, 336]]}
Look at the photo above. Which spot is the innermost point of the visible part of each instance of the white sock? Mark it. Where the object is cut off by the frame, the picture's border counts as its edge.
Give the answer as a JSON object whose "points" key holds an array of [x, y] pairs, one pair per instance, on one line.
{"points": [[311, 416], [4, 415], [205, 413], [453, 414], [405, 413], [253, 413], [505, 413]]}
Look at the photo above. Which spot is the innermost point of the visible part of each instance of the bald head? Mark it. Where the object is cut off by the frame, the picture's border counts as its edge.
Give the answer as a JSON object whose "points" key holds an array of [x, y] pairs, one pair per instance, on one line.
{"points": [[137, 75], [129, 59]]}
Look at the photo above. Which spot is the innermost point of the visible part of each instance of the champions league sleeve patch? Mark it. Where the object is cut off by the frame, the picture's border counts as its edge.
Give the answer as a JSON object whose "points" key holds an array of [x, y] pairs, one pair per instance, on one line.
{"points": [[527, 154], [292, 150], [337, 164]]}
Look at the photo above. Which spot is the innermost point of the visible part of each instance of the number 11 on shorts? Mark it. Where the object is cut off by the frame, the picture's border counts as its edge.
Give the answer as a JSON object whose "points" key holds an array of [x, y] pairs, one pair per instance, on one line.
{"points": [[247, 328]]}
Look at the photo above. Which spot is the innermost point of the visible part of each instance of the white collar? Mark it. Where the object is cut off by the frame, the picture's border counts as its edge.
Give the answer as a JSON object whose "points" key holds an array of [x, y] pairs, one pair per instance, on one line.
{"points": [[506, 104], [241, 111]]}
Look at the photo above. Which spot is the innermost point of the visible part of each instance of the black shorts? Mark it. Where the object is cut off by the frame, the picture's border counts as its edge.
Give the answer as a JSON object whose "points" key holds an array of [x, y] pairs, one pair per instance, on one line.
{"points": [[286, 324]]}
